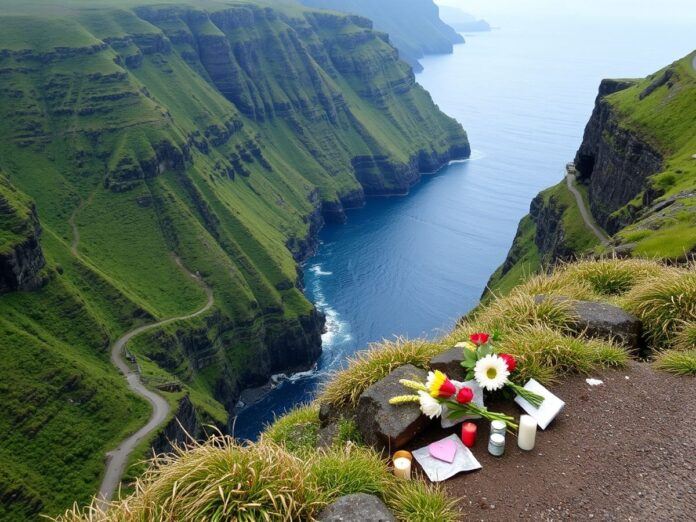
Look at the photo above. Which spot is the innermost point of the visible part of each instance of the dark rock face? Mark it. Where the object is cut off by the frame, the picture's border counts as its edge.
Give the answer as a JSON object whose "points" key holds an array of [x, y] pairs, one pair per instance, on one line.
{"points": [[358, 507], [450, 363], [550, 235], [382, 425], [614, 162], [180, 430], [605, 321], [22, 261]]}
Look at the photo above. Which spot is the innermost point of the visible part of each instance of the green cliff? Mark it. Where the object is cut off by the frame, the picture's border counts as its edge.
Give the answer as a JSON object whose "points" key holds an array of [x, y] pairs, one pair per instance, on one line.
{"points": [[636, 171], [414, 26], [221, 134]]}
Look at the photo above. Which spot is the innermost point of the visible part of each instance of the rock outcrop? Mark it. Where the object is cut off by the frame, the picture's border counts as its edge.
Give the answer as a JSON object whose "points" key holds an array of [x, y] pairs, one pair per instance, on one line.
{"points": [[614, 161], [21, 257], [358, 507], [605, 321], [385, 426]]}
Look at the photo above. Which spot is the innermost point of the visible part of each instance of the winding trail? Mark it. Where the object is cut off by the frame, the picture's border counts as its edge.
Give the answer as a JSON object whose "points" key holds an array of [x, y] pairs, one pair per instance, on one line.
{"points": [[584, 212], [117, 459]]}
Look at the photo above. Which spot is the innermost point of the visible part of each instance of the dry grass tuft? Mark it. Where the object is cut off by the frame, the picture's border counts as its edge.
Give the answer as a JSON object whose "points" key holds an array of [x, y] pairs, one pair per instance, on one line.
{"points": [[222, 480], [219, 480], [519, 310], [546, 354], [664, 304], [416, 501], [612, 276], [685, 339], [367, 367], [677, 361], [556, 284]]}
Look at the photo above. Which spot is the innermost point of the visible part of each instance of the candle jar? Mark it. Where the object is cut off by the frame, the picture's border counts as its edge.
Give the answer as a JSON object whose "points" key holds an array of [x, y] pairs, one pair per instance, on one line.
{"points": [[496, 444], [402, 464], [498, 426]]}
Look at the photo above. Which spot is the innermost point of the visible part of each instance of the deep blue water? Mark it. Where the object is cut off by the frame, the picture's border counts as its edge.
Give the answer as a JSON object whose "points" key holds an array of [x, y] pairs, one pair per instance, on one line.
{"points": [[411, 266]]}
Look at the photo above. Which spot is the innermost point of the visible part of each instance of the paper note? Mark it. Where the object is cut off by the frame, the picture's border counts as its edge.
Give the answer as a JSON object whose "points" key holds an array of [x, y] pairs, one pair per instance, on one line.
{"points": [[438, 470], [548, 409]]}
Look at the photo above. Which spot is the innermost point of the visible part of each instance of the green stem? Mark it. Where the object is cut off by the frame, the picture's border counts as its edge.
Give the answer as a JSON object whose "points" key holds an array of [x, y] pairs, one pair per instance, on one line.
{"points": [[532, 398]]}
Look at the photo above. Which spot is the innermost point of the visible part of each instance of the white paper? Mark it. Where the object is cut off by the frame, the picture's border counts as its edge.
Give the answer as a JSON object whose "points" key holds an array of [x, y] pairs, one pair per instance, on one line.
{"points": [[438, 470], [594, 382], [478, 400], [548, 409]]}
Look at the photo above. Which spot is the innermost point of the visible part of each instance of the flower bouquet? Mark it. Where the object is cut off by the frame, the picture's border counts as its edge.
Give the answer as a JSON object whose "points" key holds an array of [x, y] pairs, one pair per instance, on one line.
{"points": [[439, 395], [492, 370]]}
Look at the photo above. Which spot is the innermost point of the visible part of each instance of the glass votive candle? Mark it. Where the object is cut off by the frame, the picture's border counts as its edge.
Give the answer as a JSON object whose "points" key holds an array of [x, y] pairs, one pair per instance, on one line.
{"points": [[496, 444], [402, 464], [498, 426]]}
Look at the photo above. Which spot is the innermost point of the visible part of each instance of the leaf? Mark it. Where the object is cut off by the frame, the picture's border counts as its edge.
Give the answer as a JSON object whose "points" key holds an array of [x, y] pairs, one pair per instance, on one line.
{"points": [[469, 359]]}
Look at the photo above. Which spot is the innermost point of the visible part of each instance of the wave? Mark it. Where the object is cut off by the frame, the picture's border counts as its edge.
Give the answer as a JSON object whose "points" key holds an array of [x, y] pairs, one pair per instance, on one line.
{"points": [[316, 270]]}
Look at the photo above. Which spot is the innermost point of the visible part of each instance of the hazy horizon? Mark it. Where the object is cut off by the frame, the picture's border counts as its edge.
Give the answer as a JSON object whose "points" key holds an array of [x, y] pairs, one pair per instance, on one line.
{"points": [[680, 12]]}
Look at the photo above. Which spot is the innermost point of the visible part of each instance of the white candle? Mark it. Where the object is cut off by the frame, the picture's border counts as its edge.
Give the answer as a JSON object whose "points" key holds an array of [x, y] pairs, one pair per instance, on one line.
{"points": [[402, 464], [526, 434]]}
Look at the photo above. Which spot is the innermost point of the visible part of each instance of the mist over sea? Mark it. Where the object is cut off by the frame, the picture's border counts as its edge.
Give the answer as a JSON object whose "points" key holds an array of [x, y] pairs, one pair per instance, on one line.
{"points": [[411, 266]]}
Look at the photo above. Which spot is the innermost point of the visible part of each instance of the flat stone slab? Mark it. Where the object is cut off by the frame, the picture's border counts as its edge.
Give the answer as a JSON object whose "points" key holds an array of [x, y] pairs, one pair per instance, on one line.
{"points": [[450, 363], [358, 507], [388, 427], [605, 321]]}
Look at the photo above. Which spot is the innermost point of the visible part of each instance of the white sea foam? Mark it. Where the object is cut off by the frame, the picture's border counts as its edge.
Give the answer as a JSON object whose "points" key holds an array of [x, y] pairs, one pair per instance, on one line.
{"points": [[316, 270]]}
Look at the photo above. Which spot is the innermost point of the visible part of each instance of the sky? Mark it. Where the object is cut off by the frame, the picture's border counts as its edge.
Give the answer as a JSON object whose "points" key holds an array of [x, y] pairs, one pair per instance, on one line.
{"points": [[673, 11]]}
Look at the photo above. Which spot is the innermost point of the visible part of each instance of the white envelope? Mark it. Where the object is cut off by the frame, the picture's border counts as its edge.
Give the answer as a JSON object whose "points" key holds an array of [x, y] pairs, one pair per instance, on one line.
{"points": [[438, 470], [547, 411], [478, 400]]}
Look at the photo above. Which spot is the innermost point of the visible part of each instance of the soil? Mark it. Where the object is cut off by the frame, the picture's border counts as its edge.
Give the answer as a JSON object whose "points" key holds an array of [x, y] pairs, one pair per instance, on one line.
{"points": [[622, 450]]}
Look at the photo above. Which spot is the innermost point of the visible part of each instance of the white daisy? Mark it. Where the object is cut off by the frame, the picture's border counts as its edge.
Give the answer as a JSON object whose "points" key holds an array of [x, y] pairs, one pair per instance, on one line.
{"points": [[491, 372], [429, 406]]}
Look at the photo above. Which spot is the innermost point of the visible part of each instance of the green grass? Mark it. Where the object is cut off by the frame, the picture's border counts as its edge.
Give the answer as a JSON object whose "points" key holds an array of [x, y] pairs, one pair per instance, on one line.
{"points": [[665, 305], [664, 119], [677, 361], [137, 145]]}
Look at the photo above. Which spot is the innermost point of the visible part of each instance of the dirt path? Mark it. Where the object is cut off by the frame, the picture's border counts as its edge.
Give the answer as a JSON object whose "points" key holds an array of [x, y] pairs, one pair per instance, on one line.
{"points": [[623, 450], [585, 213], [117, 459]]}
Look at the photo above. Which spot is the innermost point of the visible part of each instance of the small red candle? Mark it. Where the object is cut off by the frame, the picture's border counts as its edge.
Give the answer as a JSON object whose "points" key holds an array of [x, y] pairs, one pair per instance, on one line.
{"points": [[469, 434]]}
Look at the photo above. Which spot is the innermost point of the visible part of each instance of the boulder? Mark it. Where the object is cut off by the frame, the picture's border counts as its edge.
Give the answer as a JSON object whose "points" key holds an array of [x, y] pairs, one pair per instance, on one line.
{"points": [[605, 321], [358, 507], [382, 425], [450, 363]]}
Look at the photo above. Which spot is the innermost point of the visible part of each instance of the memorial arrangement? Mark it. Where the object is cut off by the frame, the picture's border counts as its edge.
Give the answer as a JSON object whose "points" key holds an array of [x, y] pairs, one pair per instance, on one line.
{"points": [[487, 372]]}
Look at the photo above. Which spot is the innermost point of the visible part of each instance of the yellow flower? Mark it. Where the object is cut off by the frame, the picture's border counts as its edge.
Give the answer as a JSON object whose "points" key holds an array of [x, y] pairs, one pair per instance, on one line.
{"points": [[439, 385], [466, 344]]}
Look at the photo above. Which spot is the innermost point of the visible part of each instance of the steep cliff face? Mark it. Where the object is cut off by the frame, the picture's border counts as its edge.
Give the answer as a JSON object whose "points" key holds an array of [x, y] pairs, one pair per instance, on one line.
{"points": [[637, 172], [413, 26], [21, 257], [613, 161], [224, 133]]}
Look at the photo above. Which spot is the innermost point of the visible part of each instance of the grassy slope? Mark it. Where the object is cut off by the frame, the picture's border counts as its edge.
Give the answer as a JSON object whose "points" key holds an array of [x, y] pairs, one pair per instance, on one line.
{"points": [[665, 120], [82, 132], [577, 237]]}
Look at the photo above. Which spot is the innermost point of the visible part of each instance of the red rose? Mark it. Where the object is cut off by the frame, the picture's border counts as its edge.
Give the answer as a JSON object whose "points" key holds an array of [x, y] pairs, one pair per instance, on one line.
{"points": [[510, 361], [479, 338], [465, 395]]}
